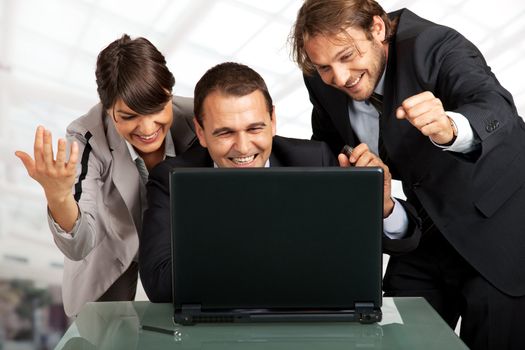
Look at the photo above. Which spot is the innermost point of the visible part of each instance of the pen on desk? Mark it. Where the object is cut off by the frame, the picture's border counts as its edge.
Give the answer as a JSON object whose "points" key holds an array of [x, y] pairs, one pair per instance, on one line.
{"points": [[158, 329]]}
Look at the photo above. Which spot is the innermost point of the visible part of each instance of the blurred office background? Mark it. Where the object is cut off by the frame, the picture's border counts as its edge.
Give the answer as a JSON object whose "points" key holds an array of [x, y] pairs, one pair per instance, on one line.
{"points": [[48, 50]]}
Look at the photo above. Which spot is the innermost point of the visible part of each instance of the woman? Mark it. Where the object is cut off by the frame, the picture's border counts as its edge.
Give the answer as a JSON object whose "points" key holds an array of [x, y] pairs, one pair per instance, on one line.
{"points": [[96, 197]]}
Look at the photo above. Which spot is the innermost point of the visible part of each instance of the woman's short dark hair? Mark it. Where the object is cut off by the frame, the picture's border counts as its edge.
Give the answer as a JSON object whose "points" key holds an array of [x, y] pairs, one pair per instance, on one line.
{"points": [[231, 79], [135, 71]]}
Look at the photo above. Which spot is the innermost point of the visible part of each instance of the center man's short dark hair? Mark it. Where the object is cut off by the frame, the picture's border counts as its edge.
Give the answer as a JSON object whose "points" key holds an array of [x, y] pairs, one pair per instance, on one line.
{"points": [[231, 79]]}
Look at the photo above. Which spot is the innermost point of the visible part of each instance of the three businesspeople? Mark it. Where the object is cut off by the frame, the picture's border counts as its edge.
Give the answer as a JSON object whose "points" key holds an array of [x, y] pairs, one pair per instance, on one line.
{"points": [[423, 99]]}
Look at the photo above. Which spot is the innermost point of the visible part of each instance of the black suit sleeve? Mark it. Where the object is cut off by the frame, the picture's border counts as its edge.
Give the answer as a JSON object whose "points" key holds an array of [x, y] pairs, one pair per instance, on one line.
{"points": [[463, 81], [328, 158], [155, 240], [412, 237]]}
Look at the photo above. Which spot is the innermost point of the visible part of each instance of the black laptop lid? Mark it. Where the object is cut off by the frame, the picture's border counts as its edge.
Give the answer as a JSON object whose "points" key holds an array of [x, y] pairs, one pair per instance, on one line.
{"points": [[283, 239]]}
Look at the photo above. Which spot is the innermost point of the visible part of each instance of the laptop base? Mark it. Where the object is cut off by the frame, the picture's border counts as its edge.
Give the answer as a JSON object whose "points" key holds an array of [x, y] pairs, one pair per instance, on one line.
{"points": [[192, 314]]}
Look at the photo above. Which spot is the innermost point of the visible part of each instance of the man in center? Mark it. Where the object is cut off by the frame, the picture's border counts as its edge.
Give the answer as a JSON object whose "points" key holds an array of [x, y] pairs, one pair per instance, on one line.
{"points": [[236, 128]]}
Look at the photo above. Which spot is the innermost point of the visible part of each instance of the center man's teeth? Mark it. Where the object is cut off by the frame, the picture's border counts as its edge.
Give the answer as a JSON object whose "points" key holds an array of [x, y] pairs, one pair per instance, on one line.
{"points": [[243, 159]]}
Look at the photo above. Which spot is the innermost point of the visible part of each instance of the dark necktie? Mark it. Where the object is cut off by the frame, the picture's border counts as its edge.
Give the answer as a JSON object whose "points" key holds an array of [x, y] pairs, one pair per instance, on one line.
{"points": [[376, 100]]}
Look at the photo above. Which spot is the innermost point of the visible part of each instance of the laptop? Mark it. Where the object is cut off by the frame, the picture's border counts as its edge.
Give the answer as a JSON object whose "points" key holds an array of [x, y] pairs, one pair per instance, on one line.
{"points": [[276, 244]]}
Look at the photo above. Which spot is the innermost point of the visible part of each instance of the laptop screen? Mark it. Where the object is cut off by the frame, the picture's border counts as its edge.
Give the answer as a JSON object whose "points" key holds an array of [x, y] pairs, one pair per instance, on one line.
{"points": [[283, 239]]}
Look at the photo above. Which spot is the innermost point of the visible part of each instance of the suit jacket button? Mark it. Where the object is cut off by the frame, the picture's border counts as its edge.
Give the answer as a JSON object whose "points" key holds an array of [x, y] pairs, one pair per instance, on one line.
{"points": [[492, 125]]}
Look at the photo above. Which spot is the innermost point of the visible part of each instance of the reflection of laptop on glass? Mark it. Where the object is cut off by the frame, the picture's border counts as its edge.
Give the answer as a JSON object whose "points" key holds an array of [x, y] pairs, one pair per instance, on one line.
{"points": [[276, 244]]}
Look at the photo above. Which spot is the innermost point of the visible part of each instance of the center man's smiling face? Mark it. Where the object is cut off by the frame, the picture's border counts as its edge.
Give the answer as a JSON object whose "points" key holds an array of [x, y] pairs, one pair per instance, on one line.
{"points": [[237, 131]]}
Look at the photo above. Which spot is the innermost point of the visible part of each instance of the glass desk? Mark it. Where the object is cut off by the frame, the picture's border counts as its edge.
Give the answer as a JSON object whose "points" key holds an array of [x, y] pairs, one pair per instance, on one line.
{"points": [[408, 323]]}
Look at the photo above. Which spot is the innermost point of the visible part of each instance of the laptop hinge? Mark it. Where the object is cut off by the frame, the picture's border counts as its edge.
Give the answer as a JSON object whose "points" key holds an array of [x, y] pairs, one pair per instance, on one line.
{"points": [[367, 313], [188, 314], [192, 313]]}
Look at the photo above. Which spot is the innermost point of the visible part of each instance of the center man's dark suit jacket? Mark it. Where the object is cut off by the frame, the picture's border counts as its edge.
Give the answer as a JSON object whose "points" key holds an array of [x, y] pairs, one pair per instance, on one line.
{"points": [[476, 201], [155, 241]]}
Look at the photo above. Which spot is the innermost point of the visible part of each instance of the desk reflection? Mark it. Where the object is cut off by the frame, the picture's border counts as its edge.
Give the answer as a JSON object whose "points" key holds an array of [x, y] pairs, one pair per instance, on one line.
{"points": [[144, 325]]}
